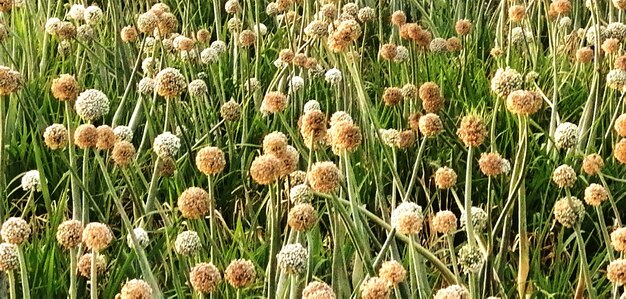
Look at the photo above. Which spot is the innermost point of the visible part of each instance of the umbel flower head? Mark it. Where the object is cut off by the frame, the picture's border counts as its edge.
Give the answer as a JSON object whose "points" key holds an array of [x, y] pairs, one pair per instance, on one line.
{"points": [[444, 222], [142, 238], [170, 83], [618, 239], [187, 243], [166, 145], [569, 211], [445, 177], [313, 127], [318, 290], [274, 102], [10, 81], [264, 170], [293, 258], [70, 233], [230, 111], [65, 88], [55, 136], [15, 230], [31, 181], [240, 273], [86, 136], [566, 135], [471, 259], [523, 102], [506, 81], [210, 160], [595, 195], [205, 278], [324, 177], [97, 236], [491, 164], [8, 257], [479, 219], [136, 289], [592, 164], [472, 130], [393, 272], [564, 176], [106, 138], [92, 104], [619, 151], [302, 217], [84, 264], [454, 291], [430, 125], [616, 271], [430, 94], [375, 288], [407, 218], [193, 203], [123, 153]]}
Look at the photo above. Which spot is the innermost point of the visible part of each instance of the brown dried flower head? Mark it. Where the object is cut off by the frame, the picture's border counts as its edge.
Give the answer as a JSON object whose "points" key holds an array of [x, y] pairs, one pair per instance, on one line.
{"points": [[472, 130], [193, 203]]}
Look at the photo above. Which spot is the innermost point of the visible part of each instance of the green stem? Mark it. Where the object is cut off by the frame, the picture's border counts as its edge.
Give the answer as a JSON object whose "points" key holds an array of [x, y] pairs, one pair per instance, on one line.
{"points": [[471, 240], [583, 262], [11, 276], [73, 286], [23, 273], [94, 275], [2, 141], [76, 199]]}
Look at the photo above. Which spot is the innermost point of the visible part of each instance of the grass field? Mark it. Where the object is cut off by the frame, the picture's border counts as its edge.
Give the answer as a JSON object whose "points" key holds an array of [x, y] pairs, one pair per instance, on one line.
{"points": [[312, 149]]}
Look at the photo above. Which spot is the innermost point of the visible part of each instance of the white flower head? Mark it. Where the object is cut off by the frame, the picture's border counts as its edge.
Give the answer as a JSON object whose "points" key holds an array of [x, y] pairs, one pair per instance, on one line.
{"points": [[166, 145], [31, 181], [333, 76]]}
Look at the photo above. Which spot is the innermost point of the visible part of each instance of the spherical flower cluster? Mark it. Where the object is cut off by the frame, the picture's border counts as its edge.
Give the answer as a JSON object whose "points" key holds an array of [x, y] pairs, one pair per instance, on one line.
{"points": [[618, 239], [490, 164], [65, 88], [430, 94], [170, 83], [445, 178], [619, 4], [141, 235], [302, 217], [9, 259], [86, 136], [264, 170], [471, 259], [123, 133], [97, 236], [569, 211], [343, 35], [430, 125], [240, 273], [274, 102], [333, 76], [344, 136], [392, 96], [76, 12], [324, 177], [293, 259], [106, 137], [230, 111], [166, 145], [506, 81], [93, 15], [523, 102], [300, 193], [366, 14], [616, 79], [15, 231], [463, 27], [247, 38], [619, 151], [610, 45], [128, 34], [566, 135], [69, 233], [197, 88], [84, 264], [616, 271], [592, 164], [210, 160], [407, 218], [10, 81], [444, 222], [595, 195], [193, 203], [92, 104], [564, 176], [393, 272], [147, 22], [472, 130], [620, 125], [318, 290], [136, 289], [517, 13], [296, 83], [438, 45], [375, 288], [454, 291], [123, 153], [479, 219], [584, 55], [187, 243], [205, 278], [31, 181]]}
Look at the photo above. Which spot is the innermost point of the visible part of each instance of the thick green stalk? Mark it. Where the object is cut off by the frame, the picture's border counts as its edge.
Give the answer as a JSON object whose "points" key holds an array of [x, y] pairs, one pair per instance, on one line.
{"points": [[2, 164], [272, 212], [93, 291], [471, 239], [583, 262], [23, 273], [12, 293]]}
